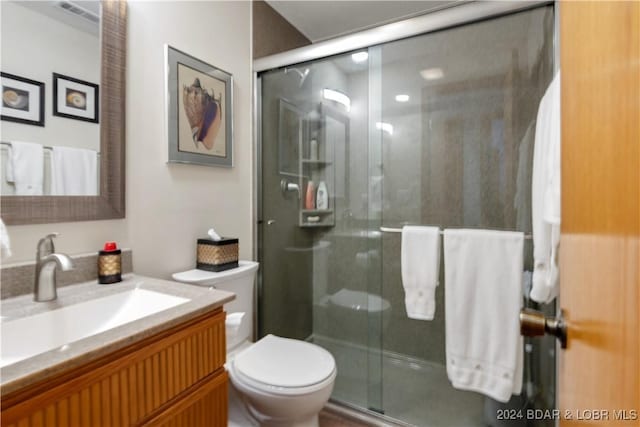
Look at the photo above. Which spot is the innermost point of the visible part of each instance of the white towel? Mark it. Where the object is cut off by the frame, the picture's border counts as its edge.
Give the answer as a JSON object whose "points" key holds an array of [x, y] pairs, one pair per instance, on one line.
{"points": [[25, 168], [420, 259], [483, 297], [545, 196], [74, 172]]}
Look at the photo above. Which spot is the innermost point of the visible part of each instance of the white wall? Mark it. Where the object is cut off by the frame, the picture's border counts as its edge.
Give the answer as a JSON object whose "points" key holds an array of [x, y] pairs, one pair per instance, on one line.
{"points": [[170, 205], [34, 46]]}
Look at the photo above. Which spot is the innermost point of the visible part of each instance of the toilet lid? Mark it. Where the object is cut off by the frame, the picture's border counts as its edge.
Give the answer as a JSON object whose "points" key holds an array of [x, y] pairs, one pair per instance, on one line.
{"points": [[283, 362]]}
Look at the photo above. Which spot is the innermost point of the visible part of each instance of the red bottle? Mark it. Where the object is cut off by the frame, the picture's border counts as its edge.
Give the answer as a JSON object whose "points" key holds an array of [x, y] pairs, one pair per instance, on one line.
{"points": [[310, 196]]}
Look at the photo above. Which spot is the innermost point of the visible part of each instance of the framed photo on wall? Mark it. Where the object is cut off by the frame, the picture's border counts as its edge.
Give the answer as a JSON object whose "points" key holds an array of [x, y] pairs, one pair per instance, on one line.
{"points": [[22, 100], [75, 99], [199, 111]]}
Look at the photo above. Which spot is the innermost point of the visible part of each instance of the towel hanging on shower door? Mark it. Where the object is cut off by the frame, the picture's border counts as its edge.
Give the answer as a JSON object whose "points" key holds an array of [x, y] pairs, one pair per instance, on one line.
{"points": [[483, 297], [420, 263]]}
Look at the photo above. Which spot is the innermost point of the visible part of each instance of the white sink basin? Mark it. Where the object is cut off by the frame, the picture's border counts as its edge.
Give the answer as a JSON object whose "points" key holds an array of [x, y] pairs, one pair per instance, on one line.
{"points": [[32, 335]]}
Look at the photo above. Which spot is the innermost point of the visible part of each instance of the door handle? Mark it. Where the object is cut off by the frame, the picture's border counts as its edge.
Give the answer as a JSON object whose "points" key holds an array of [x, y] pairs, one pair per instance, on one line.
{"points": [[534, 324]]}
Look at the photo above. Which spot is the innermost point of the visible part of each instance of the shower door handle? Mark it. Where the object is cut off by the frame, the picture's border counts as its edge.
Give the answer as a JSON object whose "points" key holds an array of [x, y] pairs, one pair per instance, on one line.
{"points": [[534, 324]]}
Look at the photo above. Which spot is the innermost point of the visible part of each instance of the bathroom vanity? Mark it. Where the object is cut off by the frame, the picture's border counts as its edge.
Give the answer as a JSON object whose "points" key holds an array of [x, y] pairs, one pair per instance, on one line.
{"points": [[161, 366]]}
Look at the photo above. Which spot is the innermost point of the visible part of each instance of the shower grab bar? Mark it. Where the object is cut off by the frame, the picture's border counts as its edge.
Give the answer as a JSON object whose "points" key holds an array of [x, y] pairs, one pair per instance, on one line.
{"points": [[399, 230]]}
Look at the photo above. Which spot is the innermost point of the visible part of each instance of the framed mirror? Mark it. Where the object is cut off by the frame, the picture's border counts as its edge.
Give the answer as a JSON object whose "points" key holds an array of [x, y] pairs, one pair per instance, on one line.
{"points": [[90, 108]]}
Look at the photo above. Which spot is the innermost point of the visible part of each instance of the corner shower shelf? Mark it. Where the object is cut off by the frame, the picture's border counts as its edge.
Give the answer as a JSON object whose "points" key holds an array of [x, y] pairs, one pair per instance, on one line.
{"points": [[319, 163], [321, 218], [317, 211], [330, 130]]}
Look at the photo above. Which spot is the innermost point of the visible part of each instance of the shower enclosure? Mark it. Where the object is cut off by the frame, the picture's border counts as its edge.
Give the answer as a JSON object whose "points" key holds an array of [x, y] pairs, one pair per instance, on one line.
{"points": [[434, 129]]}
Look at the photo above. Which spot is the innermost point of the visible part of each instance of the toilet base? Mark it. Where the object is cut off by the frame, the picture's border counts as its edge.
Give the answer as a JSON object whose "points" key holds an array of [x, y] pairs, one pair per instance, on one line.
{"points": [[241, 415]]}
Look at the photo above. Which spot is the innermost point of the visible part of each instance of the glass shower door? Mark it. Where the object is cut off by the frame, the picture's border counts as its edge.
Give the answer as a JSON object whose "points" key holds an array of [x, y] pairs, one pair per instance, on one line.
{"points": [[320, 262], [457, 119], [435, 129]]}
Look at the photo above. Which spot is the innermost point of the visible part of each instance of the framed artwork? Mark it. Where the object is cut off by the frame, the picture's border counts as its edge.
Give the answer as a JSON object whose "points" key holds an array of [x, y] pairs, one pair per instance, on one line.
{"points": [[75, 98], [199, 111], [22, 100]]}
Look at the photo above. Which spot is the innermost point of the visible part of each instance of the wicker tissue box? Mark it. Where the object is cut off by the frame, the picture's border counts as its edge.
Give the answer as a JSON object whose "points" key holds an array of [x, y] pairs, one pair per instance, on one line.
{"points": [[217, 255]]}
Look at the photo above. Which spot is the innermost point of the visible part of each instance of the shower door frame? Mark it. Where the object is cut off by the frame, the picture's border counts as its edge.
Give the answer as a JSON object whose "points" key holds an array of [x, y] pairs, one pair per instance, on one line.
{"points": [[457, 14]]}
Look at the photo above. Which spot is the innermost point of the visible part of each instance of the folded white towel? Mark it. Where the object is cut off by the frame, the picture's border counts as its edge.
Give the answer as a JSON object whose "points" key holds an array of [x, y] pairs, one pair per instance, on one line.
{"points": [[545, 196], [25, 168], [483, 297], [74, 172], [420, 259]]}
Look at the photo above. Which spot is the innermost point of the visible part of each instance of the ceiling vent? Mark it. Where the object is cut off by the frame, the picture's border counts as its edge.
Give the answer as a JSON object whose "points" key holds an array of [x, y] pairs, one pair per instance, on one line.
{"points": [[77, 10]]}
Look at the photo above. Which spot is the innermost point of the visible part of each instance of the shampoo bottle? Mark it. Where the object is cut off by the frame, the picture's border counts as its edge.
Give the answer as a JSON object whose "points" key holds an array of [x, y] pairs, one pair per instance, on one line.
{"points": [[322, 196], [310, 196], [313, 149]]}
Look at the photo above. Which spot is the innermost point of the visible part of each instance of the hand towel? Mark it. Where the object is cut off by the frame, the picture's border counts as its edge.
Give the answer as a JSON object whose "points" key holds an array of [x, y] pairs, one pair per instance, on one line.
{"points": [[420, 260], [545, 196], [483, 297], [74, 172], [25, 168]]}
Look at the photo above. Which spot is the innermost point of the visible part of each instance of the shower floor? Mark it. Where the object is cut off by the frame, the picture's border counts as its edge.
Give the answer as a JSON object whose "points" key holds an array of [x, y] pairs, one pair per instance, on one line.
{"points": [[414, 391]]}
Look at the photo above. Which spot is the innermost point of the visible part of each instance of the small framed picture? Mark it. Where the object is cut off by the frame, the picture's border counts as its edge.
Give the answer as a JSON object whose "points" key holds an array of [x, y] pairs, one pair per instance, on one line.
{"points": [[199, 111], [22, 100], [75, 98]]}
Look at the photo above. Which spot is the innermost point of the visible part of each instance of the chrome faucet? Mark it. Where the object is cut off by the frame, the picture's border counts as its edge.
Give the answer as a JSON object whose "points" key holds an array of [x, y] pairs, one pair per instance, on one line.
{"points": [[46, 262]]}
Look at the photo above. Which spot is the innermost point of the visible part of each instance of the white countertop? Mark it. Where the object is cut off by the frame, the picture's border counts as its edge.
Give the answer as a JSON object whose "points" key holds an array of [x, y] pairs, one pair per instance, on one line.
{"points": [[42, 366]]}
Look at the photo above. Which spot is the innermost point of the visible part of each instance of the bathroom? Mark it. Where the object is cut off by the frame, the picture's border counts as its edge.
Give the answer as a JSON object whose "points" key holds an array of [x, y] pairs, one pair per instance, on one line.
{"points": [[428, 108]]}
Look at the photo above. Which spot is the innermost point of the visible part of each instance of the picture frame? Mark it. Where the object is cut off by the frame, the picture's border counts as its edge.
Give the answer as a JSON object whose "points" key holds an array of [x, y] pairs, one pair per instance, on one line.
{"points": [[75, 99], [22, 100], [199, 111]]}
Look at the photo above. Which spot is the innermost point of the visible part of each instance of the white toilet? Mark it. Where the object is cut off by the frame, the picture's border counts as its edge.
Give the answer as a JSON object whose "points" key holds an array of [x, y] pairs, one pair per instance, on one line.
{"points": [[282, 382]]}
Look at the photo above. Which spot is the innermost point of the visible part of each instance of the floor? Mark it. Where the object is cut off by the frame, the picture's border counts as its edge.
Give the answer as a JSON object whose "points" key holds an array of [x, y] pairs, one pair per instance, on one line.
{"points": [[414, 391], [328, 419]]}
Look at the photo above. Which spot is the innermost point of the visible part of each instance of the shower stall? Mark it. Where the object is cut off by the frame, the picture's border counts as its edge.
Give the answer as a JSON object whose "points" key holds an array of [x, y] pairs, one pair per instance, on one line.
{"points": [[433, 126]]}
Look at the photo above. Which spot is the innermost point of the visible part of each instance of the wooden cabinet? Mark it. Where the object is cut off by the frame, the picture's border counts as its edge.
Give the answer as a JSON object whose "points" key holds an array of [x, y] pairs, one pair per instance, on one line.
{"points": [[173, 378]]}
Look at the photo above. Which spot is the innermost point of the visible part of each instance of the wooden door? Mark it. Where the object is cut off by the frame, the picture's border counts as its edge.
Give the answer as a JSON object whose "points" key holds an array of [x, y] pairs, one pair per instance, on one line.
{"points": [[599, 375]]}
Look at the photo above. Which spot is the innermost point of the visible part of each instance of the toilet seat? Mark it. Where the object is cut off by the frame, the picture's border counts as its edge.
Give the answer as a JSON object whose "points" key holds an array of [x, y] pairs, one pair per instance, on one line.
{"points": [[283, 366]]}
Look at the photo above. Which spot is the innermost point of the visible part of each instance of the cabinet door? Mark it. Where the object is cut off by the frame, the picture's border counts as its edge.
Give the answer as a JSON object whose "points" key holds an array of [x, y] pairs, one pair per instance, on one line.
{"points": [[128, 386]]}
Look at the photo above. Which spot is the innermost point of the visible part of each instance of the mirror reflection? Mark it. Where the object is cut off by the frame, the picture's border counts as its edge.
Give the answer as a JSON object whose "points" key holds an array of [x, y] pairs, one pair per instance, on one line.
{"points": [[50, 56]]}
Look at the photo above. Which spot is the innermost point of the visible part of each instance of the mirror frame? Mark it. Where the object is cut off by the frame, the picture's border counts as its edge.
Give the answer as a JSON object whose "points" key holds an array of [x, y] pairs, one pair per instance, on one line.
{"points": [[110, 203]]}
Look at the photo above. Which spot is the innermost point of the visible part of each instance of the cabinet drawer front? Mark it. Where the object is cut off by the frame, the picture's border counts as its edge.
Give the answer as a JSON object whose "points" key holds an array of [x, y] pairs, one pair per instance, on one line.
{"points": [[206, 406], [128, 385]]}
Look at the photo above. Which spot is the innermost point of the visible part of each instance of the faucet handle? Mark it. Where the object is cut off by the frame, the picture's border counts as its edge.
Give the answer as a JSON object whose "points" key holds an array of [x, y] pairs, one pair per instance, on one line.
{"points": [[45, 245]]}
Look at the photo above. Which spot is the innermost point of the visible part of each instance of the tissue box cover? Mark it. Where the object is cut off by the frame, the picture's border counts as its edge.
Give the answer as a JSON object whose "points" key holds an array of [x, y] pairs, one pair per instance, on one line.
{"points": [[217, 255]]}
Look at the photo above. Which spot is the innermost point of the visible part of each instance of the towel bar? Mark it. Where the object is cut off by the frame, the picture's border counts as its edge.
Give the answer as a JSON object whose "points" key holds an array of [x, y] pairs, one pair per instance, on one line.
{"points": [[44, 147], [399, 230]]}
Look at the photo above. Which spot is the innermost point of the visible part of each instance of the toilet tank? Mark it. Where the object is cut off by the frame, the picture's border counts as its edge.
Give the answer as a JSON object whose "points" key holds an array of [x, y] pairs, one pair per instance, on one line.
{"points": [[240, 281]]}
